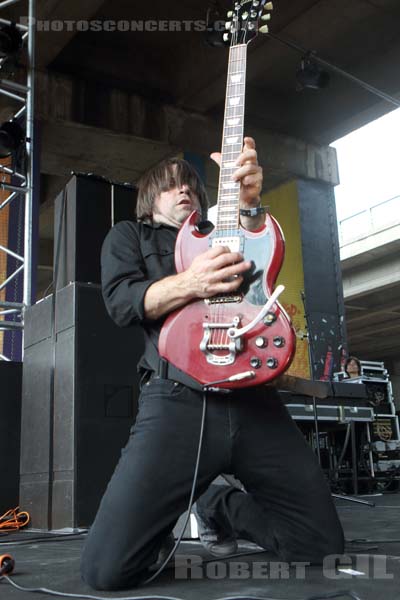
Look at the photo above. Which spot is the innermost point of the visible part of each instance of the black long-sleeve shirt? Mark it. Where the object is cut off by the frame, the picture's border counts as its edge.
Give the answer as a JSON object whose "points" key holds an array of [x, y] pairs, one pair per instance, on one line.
{"points": [[133, 257]]}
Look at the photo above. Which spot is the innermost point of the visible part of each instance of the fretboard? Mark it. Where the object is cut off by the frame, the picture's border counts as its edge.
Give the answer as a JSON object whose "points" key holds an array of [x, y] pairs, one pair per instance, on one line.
{"points": [[232, 140]]}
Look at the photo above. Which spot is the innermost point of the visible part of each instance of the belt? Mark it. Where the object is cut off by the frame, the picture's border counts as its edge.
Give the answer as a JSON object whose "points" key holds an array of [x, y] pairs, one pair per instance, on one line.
{"points": [[167, 371]]}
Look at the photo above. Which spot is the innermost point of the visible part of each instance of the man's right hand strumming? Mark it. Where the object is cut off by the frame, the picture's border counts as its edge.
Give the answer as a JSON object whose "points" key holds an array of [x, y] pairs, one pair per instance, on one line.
{"points": [[216, 271]]}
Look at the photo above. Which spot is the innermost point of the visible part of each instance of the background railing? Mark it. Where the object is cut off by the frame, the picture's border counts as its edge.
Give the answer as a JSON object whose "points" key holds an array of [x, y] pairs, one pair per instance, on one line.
{"points": [[376, 218]]}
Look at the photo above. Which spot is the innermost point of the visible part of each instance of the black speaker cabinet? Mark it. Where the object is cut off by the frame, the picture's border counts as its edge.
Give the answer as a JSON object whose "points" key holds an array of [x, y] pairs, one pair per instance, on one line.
{"points": [[84, 212], [10, 428], [79, 401]]}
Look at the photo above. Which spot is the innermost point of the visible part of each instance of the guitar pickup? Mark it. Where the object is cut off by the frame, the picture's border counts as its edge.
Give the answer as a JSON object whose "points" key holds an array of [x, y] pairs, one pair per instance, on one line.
{"points": [[223, 299], [235, 242]]}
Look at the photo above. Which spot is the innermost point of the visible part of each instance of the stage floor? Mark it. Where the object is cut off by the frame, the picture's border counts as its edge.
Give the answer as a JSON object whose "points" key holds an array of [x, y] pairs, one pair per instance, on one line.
{"points": [[372, 551]]}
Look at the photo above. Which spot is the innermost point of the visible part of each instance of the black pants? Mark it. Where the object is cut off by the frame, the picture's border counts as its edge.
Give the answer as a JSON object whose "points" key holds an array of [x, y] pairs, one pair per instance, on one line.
{"points": [[287, 507]]}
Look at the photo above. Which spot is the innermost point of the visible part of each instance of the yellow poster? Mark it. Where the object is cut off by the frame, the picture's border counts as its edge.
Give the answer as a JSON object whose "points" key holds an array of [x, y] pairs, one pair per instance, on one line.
{"points": [[284, 206]]}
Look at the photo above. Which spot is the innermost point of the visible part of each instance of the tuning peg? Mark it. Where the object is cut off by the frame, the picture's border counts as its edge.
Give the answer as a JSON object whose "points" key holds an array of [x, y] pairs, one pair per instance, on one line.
{"points": [[229, 14], [269, 6], [264, 29], [245, 15], [256, 3], [225, 37], [228, 24], [266, 17]]}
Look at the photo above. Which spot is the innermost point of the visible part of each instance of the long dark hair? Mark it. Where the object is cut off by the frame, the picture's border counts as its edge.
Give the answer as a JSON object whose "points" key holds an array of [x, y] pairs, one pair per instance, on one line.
{"points": [[349, 359], [164, 176]]}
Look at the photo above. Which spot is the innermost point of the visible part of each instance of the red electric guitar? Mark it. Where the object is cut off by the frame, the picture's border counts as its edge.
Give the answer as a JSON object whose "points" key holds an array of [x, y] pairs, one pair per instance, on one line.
{"points": [[244, 338]]}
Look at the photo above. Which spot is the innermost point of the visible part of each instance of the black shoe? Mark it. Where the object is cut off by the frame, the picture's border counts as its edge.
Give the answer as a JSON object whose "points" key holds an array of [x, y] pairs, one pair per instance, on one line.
{"points": [[164, 551], [214, 541]]}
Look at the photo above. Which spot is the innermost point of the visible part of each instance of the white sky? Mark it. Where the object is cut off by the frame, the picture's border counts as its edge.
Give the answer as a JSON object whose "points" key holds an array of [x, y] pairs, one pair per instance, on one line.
{"points": [[369, 165]]}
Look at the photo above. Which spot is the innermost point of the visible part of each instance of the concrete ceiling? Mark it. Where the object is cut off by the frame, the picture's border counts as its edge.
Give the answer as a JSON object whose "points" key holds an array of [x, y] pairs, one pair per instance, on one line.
{"points": [[371, 282], [373, 324], [361, 36]]}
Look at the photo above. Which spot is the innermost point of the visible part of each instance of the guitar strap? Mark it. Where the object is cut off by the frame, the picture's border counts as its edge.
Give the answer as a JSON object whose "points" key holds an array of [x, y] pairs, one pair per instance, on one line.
{"points": [[163, 369]]}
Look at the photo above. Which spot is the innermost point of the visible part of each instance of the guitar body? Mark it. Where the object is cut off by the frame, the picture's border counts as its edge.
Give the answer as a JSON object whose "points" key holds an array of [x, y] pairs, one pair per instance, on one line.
{"points": [[195, 338], [245, 335]]}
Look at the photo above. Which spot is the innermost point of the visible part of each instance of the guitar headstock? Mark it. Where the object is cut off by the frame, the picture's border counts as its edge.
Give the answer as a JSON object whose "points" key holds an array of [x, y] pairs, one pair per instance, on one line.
{"points": [[244, 21]]}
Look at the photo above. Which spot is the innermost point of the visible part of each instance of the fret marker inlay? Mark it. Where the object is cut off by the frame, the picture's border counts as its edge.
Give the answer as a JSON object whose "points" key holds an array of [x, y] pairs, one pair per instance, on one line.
{"points": [[232, 140]]}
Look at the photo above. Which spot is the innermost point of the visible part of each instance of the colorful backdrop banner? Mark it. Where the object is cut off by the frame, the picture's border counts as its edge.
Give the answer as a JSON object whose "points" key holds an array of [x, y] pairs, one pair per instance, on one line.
{"points": [[284, 206]]}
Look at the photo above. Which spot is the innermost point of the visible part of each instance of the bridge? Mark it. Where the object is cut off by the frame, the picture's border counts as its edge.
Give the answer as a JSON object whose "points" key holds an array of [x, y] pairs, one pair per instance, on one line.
{"points": [[370, 260]]}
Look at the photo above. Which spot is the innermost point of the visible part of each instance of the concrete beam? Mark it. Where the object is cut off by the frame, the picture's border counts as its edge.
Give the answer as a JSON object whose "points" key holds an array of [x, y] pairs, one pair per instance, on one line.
{"points": [[288, 158], [368, 278], [380, 312], [63, 98], [68, 147], [374, 245]]}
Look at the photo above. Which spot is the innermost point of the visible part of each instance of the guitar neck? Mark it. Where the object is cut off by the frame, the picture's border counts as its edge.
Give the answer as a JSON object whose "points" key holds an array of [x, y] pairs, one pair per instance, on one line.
{"points": [[232, 140]]}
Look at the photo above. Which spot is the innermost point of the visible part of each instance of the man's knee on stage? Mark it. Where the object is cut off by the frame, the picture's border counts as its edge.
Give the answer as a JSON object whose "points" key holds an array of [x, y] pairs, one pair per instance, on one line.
{"points": [[104, 571]]}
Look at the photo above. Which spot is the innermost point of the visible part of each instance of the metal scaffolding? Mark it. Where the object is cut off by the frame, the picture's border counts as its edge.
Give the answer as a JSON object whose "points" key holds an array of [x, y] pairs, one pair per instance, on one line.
{"points": [[21, 188]]}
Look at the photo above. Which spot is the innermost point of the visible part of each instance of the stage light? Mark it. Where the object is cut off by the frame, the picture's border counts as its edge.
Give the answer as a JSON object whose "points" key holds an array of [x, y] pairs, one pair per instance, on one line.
{"points": [[11, 138], [10, 40], [311, 76]]}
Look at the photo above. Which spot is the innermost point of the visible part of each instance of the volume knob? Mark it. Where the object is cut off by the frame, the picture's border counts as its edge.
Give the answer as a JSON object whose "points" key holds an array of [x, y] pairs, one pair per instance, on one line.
{"points": [[261, 342], [279, 341], [255, 362], [272, 363], [269, 318]]}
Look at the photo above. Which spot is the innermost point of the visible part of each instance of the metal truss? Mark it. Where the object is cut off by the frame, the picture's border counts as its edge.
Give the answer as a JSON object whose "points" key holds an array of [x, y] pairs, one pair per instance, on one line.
{"points": [[21, 189]]}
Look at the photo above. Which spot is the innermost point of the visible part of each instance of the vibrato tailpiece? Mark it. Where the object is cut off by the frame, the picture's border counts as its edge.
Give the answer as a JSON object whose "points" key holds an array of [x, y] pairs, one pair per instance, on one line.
{"points": [[230, 335]]}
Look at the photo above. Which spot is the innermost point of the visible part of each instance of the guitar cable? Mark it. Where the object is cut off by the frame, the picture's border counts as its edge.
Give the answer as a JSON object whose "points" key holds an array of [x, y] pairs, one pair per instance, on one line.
{"points": [[7, 565], [236, 377], [192, 492], [7, 562]]}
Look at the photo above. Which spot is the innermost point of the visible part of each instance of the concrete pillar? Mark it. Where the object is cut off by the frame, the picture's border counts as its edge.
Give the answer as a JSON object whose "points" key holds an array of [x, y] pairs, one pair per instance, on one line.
{"points": [[306, 212]]}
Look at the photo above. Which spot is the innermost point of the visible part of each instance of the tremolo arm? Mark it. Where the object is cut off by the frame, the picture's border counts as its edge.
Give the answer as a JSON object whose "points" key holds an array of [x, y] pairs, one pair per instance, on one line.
{"points": [[234, 333]]}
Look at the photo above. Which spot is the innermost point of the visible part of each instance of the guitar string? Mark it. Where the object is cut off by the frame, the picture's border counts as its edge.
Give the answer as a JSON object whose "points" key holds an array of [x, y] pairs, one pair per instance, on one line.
{"points": [[219, 312], [217, 337], [237, 60], [221, 338]]}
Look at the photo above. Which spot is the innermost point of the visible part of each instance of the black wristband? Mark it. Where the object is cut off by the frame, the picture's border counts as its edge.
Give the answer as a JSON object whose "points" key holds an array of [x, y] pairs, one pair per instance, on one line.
{"points": [[252, 212]]}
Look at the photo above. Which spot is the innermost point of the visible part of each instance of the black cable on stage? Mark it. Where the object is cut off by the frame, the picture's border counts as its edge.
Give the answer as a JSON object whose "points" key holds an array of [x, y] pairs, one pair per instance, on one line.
{"points": [[328, 596], [340, 594], [52, 537], [189, 508], [368, 541]]}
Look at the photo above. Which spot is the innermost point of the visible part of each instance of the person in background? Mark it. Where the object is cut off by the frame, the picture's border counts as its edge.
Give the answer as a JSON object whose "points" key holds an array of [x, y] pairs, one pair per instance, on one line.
{"points": [[352, 367]]}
